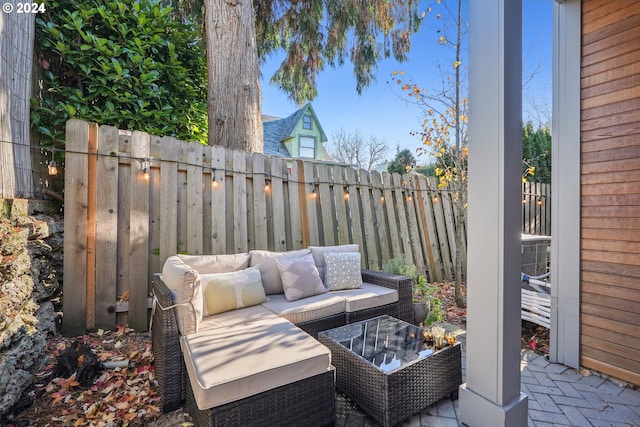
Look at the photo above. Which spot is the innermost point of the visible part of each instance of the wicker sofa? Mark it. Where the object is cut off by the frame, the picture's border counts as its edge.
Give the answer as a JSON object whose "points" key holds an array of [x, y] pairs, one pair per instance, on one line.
{"points": [[257, 365]]}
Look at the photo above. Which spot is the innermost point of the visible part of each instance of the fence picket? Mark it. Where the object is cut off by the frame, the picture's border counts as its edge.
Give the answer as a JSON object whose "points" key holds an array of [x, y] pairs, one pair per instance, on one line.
{"points": [[218, 200], [339, 192], [107, 232], [328, 230], [402, 217], [381, 223], [297, 196], [354, 203], [194, 198], [240, 227], [181, 228], [426, 227], [207, 206], [389, 202], [124, 220], [168, 198], [260, 240], [75, 225], [92, 166], [412, 221], [139, 232], [278, 218], [154, 265], [311, 223], [368, 219], [441, 231]]}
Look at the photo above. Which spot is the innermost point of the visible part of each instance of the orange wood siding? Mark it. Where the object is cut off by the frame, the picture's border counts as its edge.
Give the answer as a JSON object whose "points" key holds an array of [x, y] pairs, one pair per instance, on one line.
{"points": [[610, 188]]}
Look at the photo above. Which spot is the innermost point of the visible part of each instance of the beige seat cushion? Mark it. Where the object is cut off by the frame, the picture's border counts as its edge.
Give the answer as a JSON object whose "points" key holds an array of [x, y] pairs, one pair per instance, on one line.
{"points": [[228, 364], [256, 313], [368, 296], [306, 309]]}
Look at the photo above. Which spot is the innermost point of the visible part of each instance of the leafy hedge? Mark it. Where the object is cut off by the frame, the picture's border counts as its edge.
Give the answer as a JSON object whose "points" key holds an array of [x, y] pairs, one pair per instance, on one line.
{"points": [[126, 64]]}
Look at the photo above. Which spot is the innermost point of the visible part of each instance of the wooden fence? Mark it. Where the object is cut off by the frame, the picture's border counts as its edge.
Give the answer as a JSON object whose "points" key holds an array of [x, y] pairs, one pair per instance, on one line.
{"points": [[132, 200], [536, 208], [16, 52]]}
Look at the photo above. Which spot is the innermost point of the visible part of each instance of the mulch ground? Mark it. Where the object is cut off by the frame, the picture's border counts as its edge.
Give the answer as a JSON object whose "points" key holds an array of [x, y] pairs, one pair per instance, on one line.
{"points": [[124, 397]]}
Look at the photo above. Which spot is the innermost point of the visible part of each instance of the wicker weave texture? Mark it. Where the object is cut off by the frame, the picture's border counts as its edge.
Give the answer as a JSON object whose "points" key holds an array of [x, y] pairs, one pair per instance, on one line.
{"points": [[393, 396], [404, 286], [168, 363], [308, 402]]}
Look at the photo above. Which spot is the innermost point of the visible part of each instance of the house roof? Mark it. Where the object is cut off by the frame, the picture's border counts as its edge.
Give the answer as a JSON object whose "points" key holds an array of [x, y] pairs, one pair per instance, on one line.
{"points": [[276, 131]]}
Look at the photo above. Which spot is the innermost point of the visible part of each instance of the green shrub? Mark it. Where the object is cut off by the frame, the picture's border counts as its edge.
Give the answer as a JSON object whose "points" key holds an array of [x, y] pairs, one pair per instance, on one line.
{"points": [[422, 290], [126, 64], [400, 267]]}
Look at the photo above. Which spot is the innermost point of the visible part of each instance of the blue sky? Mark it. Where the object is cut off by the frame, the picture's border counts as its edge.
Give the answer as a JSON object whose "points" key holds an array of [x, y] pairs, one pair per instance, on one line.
{"points": [[380, 112]]}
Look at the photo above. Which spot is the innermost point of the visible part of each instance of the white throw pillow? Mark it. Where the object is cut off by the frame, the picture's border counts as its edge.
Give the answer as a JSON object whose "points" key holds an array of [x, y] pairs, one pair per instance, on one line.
{"points": [[343, 271], [319, 251]]}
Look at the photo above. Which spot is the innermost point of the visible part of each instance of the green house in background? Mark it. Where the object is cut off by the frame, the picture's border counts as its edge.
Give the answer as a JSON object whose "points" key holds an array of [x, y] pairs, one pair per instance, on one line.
{"points": [[298, 136]]}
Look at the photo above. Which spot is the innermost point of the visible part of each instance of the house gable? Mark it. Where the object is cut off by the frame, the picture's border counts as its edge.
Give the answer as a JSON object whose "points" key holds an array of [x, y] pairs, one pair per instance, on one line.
{"points": [[283, 137]]}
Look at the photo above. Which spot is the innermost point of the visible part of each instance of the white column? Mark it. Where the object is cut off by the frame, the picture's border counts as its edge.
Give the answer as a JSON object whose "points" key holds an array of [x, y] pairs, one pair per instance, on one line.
{"points": [[565, 185], [491, 396]]}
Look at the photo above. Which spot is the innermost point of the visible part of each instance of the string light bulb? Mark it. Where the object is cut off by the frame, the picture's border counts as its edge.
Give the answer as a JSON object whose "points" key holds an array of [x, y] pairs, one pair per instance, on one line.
{"points": [[346, 195], [214, 182], [409, 198], [52, 166], [145, 170], [267, 184], [434, 199], [313, 191], [539, 202]]}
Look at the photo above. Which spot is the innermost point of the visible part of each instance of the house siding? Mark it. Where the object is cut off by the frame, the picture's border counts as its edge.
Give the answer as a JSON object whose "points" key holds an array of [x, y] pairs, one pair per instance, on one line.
{"points": [[610, 188], [314, 133]]}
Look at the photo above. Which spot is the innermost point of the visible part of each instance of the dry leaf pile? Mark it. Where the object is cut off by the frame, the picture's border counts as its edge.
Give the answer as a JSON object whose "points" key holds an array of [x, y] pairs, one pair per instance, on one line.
{"points": [[124, 397], [452, 313]]}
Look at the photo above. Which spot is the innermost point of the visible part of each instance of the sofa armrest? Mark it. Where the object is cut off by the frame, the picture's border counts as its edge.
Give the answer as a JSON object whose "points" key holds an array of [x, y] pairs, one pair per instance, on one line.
{"points": [[165, 339], [403, 284]]}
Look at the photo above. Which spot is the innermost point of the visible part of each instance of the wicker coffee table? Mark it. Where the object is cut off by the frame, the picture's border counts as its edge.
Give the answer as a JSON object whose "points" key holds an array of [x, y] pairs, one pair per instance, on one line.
{"points": [[384, 365]]}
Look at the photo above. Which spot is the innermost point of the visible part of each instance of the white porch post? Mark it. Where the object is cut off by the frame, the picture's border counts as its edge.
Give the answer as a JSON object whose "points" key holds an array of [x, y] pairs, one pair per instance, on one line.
{"points": [[491, 395], [565, 185]]}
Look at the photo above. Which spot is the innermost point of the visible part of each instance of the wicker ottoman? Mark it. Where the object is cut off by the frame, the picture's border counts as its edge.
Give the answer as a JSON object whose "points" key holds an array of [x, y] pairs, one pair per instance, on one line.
{"points": [[385, 367]]}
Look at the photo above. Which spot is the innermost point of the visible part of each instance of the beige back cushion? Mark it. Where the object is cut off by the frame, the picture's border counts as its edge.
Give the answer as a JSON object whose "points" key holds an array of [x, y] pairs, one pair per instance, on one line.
{"points": [[318, 254], [266, 262], [181, 273], [205, 264]]}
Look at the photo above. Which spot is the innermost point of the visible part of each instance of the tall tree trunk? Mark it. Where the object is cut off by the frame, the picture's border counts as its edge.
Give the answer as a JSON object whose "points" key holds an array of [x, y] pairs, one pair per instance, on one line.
{"points": [[234, 97], [459, 203]]}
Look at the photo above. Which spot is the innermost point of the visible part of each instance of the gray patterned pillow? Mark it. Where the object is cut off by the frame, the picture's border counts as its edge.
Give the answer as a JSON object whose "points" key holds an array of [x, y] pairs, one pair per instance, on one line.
{"points": [[300, 277], [343, 270]]}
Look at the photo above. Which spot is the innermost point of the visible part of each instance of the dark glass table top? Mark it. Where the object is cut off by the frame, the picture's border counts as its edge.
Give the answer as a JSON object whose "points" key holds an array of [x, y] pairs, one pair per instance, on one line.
{"points": [[383, 341]]}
